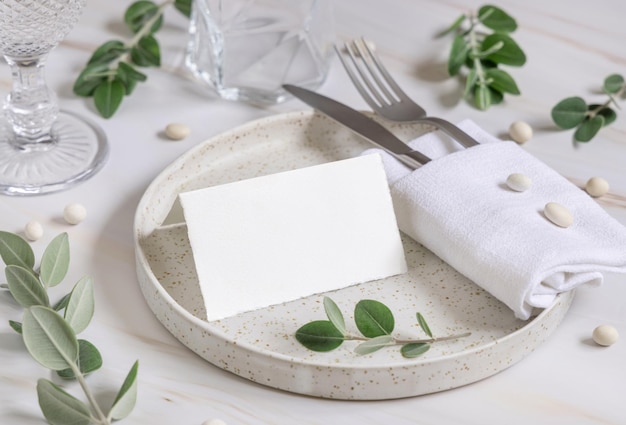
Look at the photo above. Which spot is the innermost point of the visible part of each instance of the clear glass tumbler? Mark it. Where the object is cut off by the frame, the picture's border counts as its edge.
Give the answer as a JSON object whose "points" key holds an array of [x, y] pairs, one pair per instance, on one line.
{"points": [[247, 49]]}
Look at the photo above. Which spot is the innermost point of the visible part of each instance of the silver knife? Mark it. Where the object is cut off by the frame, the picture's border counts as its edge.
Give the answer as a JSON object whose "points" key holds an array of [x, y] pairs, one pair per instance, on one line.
{"points": [[360, 124]]}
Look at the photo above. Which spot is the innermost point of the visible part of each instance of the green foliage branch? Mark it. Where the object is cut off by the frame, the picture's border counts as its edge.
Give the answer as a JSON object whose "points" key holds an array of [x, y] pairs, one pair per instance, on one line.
{"points": [[589, 118], [375, 322], [482, 43], [111, 72], [49, 331]]}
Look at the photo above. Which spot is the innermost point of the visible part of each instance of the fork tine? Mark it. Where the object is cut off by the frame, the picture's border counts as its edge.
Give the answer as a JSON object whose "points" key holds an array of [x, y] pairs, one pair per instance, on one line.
{"points": [[382, 70], [365, 71], [355, 79], [373, 66]]}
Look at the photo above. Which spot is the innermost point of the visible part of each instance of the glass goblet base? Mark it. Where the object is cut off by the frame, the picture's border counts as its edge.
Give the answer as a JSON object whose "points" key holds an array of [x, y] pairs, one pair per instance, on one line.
{"points": [[78, 150]]}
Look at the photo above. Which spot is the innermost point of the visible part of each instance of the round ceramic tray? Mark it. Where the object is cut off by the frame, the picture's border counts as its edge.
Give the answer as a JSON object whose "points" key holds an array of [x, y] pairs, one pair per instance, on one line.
{"points": [[260, 345]]}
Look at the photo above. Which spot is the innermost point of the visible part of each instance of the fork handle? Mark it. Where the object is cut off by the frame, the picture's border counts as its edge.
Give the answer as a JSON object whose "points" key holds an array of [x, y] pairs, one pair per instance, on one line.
{"points": [[451, 130]]}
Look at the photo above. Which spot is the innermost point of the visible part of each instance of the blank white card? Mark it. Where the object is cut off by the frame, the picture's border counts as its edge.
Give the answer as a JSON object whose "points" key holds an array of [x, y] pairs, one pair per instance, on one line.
{"points": [[285, 236]]}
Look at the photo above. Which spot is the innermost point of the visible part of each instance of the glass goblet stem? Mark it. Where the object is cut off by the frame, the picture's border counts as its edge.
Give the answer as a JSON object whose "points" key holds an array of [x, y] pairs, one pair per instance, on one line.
{"points": [[31, 108]]}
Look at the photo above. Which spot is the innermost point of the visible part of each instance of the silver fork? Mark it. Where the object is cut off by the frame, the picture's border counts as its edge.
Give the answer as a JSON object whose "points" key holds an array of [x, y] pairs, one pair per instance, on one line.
{"points": [[384, 95]]}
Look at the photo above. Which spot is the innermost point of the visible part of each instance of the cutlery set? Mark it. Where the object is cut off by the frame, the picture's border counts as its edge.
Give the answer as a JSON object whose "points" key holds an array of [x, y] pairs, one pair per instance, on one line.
{"points": [[386, 98]]}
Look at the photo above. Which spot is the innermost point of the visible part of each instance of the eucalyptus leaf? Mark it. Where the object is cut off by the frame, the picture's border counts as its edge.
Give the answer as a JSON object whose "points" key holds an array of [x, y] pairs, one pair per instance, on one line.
{"points": [[509, 54], [414, 349], [455, 25], [320, 335], [482, 97], [496, 96], [487, 64], [496, 19], [146, 52], [80, 306], [470, 82], [129, 76], [570, 112], [131, 73], [55, 261], [14, 250], [589, 128], [90, 79], [25, 287], [16, 326], [334, 315], [484, 53], [458, 55], [422, 322], [108, 52], [607, 113], [613, 83], [62, 303], [48, 338], [108, 96], [89, 360], [502, 81], [374, 344], [59, 407], [139, 13], [183, 6], [373, 318], [126, 397]]}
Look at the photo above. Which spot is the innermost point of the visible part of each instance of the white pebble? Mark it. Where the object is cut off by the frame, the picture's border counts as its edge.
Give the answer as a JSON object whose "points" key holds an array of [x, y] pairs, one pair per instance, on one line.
{"points": [[520, 132], [558, 214], [214, 422], [177, 131], [597, 186], [518, 182], [33, 230], [74, 213], [605, 335]]}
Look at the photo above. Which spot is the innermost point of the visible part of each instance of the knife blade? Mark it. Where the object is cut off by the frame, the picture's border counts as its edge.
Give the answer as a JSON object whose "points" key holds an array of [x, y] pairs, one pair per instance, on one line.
{"points": [[360, 124]]}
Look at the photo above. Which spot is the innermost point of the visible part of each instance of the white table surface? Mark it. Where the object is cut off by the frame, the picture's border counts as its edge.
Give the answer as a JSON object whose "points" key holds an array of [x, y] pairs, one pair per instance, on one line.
{"points": [[571, 47]]}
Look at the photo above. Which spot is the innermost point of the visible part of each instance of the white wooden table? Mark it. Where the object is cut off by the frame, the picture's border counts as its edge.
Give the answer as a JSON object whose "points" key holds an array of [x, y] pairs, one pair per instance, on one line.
{"points": [[571, 47]]}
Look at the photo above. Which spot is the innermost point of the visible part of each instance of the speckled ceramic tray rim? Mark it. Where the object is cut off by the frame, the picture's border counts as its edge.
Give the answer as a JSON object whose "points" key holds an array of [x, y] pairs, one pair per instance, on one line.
{"points": [[315, 376]]}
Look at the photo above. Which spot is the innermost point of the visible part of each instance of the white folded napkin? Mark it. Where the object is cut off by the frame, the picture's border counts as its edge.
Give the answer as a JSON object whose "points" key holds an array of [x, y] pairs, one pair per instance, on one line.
{"points": [[459, 207]]}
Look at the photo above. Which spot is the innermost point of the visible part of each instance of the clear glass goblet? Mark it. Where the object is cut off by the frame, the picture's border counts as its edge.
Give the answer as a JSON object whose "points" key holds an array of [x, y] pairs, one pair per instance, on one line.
{"points": [[42, 149]]}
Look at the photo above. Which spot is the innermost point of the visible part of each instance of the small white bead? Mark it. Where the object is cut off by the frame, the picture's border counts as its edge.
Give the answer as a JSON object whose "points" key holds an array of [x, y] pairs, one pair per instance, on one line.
{"points": [[597, 186], [558, 214], [520, 132], [214, 422], [605, 335], [518, 182], [177, 131], [33, 230], [74, 213]]}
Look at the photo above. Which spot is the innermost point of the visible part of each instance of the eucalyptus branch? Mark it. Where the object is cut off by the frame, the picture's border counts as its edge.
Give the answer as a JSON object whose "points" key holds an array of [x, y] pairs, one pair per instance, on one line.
{"points": [[396, 341], [50, 331], [375, 321], [111, 72], [100, 416], [588, 119], [482, 53]]}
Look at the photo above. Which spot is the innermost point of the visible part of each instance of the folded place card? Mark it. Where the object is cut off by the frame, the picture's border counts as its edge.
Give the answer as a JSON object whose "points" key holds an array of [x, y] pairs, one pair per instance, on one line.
{"points": [[460, 207], [284, 236]]}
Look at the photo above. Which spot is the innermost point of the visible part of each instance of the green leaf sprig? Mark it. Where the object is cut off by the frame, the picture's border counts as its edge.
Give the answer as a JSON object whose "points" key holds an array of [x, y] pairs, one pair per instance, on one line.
{"points": [[50, 331], [481, 53], [374, 320], [588, 119], [111, 72]]}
